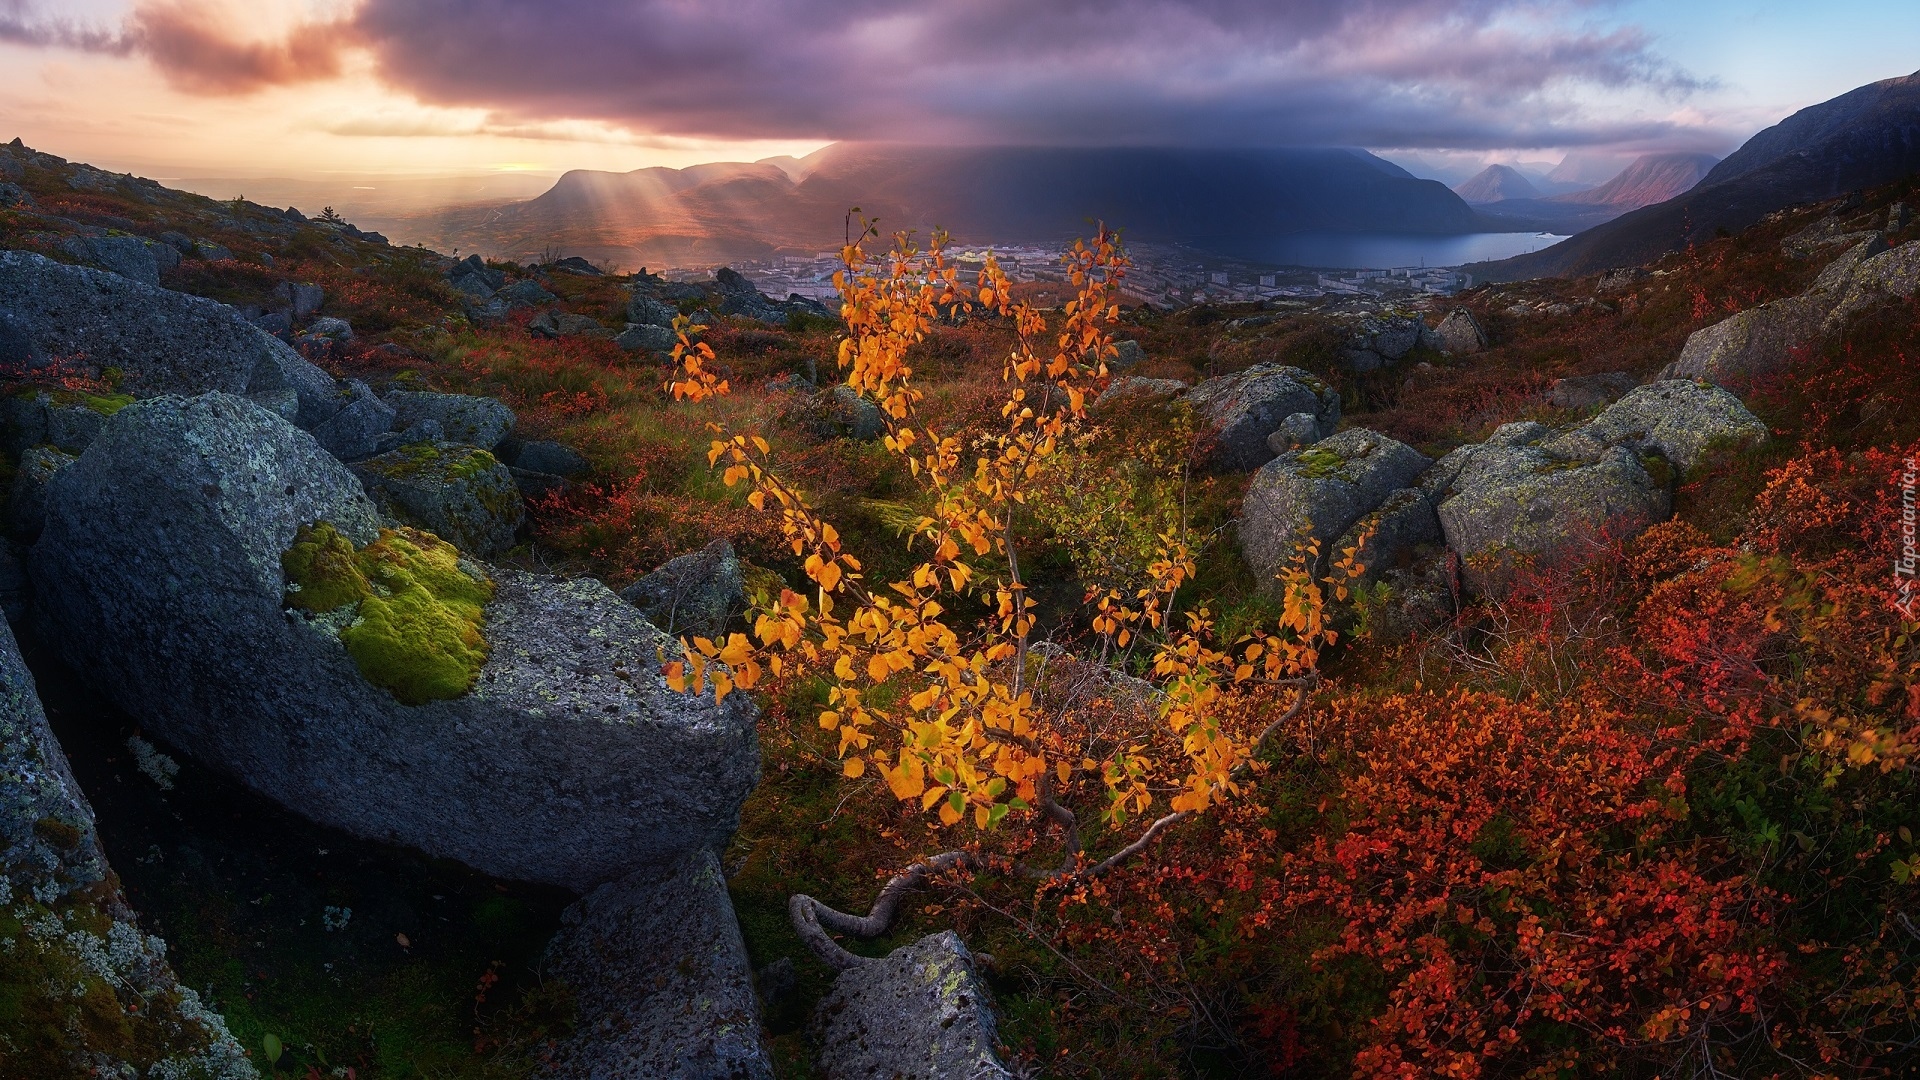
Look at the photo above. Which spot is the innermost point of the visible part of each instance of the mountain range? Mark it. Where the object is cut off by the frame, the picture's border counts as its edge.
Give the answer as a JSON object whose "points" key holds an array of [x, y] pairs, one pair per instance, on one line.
{"points": [[1863, 138], [1506, 194], [1221, 200]]}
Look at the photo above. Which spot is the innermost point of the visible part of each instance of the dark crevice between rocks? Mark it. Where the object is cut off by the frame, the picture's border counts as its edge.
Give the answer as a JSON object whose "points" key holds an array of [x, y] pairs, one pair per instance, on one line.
{"points": [[434, 973]]}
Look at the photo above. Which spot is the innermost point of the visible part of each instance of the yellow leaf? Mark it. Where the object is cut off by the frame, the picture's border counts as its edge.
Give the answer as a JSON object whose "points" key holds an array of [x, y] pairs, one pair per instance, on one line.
{"points": [[877, 668], [855, 767], [1065, 770], [980, 816]]}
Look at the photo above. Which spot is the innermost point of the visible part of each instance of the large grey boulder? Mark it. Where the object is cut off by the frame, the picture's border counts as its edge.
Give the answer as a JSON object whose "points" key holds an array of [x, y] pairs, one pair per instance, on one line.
{"points": [[661, 984], [569, 761], [1460, 333], [1514, 505], [162, 342], [1318, 493], [1884, 276], [64, 915], [644, 310], [128, 256], [1763, 340], [647, 337], [1680, 419], [463, 418], [355, 431], [693, 595], [921, 1013], [459, 493], [1239, 411]]}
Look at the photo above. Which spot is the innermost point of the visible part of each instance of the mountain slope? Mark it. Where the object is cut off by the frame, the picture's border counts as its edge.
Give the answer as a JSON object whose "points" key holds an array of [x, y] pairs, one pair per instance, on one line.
{"points": [[1210, 198], [1862, 138], [1652, 178], [1497, 182]]}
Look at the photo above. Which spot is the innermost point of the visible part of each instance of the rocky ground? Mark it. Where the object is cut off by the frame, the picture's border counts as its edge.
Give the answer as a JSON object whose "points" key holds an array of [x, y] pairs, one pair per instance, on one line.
{"points": [[408, 793]]}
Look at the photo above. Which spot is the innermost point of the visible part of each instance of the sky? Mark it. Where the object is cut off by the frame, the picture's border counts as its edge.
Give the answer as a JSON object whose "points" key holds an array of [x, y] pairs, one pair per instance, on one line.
{"points": [[319, 89]]}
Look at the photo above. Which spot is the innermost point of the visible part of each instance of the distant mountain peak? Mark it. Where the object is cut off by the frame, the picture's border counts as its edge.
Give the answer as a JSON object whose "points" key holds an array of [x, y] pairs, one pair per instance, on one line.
{"points": [[1496, 183], [1651, 178]]}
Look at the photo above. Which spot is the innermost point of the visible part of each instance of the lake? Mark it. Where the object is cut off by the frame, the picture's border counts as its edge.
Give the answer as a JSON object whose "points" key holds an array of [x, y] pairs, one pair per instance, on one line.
{"points": [[1380, 251]]}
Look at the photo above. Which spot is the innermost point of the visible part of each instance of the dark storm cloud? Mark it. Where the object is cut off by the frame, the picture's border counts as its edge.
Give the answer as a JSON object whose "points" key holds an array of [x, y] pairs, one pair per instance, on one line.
{"points": [[1408, 73], [1371, 72]]}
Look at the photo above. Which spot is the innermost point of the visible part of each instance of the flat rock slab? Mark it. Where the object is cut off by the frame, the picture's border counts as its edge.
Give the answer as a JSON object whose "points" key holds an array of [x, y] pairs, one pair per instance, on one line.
{"points": [[920, 1013], [660, 980]]}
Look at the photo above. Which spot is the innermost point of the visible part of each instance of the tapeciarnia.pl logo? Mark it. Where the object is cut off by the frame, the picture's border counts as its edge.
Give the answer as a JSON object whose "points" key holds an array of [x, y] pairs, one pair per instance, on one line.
{"points": [[1906, 564]]}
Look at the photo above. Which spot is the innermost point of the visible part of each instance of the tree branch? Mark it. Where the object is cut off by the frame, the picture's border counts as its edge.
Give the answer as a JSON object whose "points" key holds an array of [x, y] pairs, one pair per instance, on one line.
{"points": [[813, 920]]}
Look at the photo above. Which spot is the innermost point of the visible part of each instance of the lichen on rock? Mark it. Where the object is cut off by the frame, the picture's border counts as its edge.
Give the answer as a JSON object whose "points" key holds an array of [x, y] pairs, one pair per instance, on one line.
{"points": [[418, 613]]}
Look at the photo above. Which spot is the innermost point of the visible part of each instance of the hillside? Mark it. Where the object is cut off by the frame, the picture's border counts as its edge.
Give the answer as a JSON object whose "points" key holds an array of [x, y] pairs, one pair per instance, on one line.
{"points": [[1219, 199], [1596, 708], [1865, 137], [1651, 178]]}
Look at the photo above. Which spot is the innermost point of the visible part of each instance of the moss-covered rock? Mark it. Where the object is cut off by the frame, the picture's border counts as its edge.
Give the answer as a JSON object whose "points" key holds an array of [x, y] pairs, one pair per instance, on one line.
{"points": [[417, 614]]}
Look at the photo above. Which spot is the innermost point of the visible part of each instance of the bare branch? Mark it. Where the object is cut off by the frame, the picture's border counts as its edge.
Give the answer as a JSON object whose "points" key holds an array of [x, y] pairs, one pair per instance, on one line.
{"points": [[813, 920]]}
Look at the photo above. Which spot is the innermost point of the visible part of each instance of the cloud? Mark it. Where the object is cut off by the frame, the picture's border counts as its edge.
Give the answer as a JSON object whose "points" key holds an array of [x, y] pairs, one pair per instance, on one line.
{"points": [[188, 41], [1404, 73]]}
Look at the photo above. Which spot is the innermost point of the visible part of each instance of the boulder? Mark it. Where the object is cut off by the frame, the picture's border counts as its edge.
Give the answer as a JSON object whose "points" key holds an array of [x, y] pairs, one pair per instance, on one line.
{"points": [[1300, 429], [356, 430], [1586, 391], [553, 458], [693, 595], [535, 486], [1620, 279], [568, 760], [1362, 361], [472, 285], [644, 310], [463, 418], [1763, 340], [1460, 334], [1386, 337], [459, 493], [476, 267], [338, 330], [1516, 505], [300, 301], [1237, 412], [846, 412], [27, 501], [211, 251], [66, 419], [559, 324], [526, 291], [1319, 493], [65, 915], [1397, 531], [162, 342], [127, 256], [921, 1013], [646, 337], [1133, 387], [1130, 354], [1679, 419], [660, 981], [1888, 275], [13, 196]]}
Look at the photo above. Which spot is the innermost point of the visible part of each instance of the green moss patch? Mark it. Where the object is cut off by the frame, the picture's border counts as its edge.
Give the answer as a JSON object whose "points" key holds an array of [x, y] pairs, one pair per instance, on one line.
{"points": [[1320, 463], [417, 615]]}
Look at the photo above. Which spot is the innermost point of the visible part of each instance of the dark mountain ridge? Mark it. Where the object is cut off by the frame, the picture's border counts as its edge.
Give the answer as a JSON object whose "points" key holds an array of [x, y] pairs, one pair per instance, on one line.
{"points": [[1218, 199]]}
